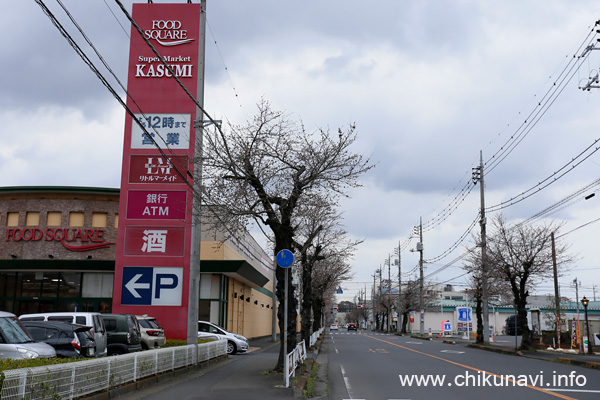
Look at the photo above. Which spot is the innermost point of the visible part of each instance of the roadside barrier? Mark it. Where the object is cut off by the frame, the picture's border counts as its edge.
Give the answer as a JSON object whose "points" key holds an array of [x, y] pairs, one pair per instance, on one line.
{"points": [[293, 359], [315, 336], [81, 378]]}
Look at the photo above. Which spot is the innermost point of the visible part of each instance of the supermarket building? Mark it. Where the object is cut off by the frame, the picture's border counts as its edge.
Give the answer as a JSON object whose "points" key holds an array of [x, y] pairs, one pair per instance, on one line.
{"points": [[58, 254]]}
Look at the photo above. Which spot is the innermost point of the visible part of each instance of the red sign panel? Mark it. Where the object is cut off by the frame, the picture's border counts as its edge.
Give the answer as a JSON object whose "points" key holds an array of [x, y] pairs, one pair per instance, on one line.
{"points": [[152, 261], [157, 169], [154, 204], [154, 241]]}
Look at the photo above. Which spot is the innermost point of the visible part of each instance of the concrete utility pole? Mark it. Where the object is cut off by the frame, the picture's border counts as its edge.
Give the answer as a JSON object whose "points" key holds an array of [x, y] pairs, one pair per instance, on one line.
{"points": [[389, 291], [421, 302], [196, 239], [576, 282], [398, 329], [556, 293], [478, 176]]}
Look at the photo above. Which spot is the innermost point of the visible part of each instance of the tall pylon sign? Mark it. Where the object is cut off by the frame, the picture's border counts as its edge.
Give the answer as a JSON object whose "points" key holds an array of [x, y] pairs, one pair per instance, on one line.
{"points": [[152, 267]]}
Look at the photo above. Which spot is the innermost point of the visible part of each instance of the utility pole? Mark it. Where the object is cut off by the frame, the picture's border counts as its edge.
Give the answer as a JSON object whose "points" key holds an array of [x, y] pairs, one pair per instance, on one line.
{"points": [[389, 296], [373, 296], [421, 303], [556, 294], [576, 282], [478, 176], [196, 238], [398, 329]]}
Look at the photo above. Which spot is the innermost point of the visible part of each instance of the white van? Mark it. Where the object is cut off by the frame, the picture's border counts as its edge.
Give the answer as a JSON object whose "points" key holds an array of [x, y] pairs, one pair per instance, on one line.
{"points": [[92, 319]]}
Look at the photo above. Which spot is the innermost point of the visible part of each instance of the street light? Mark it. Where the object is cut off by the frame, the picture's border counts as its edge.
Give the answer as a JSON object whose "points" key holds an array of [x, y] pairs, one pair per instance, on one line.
{"points": [[585, 303]]}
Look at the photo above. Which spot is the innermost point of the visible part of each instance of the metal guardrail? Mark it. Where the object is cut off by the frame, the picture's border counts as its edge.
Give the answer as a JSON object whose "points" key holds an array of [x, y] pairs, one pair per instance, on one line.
{"points": [[72, 380]]}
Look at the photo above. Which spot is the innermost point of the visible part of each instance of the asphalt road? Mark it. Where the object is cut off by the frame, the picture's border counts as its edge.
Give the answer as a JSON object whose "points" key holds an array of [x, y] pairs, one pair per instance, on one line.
{"points": [[370, 366]]}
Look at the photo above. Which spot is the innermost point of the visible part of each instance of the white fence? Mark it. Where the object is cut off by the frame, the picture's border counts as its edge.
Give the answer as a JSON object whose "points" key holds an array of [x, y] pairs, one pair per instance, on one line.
{"points": [[315, 336], [72, 380], [293, 359]]}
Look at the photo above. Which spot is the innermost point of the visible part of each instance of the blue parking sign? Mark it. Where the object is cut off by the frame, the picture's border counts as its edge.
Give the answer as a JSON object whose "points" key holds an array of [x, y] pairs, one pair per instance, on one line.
{"points": [[152, 286]]}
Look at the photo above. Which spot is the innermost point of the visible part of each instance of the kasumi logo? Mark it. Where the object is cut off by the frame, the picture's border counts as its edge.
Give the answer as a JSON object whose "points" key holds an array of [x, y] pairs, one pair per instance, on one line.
{"points": [[167, 33]]}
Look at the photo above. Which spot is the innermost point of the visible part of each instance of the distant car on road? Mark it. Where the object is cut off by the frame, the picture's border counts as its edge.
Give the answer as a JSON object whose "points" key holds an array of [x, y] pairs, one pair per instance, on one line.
{"points": [[352, 327], [333, 327]]}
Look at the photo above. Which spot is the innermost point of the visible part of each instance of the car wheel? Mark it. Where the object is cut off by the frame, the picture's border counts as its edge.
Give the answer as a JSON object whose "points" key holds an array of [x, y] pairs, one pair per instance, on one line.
{"points": [[231, 349], [115, 353]]}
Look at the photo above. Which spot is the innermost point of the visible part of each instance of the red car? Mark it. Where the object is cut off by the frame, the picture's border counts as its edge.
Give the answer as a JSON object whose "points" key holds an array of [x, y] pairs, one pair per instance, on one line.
{"points": [[352, 327]]}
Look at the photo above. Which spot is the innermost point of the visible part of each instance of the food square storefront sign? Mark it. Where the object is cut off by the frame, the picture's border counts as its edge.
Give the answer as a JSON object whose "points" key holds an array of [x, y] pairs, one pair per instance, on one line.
{"points": [[154, 236], [73, 239]]}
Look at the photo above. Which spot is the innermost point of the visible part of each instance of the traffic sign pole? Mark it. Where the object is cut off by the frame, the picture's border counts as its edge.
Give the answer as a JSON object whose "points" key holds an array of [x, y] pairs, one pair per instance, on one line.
{"points": [[285, 259]]}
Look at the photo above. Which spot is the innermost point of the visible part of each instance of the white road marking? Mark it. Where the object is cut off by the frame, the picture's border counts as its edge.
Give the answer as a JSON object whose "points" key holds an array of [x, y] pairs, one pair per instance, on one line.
{"points": [[347, 383], [452, 352], [414, 342], [572, 390]]}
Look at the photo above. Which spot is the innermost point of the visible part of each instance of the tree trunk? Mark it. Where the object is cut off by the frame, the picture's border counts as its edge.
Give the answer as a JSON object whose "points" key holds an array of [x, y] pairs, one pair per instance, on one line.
{"points": [[404, 321], [478, 311], [292, 339], [306, 303]]}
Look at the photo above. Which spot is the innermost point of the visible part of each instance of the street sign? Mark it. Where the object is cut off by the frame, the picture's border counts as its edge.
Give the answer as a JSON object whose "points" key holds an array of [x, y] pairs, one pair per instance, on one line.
{"points": [[339, 290], [464, 314], [285, 258], [447, 326], [152, 286]]}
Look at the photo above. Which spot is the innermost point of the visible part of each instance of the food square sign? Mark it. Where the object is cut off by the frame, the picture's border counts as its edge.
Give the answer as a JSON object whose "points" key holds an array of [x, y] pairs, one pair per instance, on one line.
{"points": [[154, 236]]}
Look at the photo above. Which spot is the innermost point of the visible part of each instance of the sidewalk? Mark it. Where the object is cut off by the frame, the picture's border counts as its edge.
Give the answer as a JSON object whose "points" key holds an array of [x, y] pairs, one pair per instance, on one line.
{"points": [[243, 376], [585, 360]]}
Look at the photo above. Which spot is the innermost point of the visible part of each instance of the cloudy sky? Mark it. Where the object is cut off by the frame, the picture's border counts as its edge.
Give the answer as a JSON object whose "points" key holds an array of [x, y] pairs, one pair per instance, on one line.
{"points": [[429, 85]]}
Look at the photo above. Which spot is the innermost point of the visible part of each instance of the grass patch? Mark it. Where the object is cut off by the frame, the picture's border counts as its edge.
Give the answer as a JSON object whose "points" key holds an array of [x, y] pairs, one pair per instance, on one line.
{"points": [[311, 382]]}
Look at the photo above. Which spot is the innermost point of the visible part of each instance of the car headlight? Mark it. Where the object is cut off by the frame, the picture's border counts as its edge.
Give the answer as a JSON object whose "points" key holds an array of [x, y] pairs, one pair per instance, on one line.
{"points": [[239, 337], [26, 353]]}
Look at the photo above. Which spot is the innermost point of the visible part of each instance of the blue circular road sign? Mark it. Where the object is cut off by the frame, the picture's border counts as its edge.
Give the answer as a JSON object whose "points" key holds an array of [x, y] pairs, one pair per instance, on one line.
{"points": [[285, 258]]}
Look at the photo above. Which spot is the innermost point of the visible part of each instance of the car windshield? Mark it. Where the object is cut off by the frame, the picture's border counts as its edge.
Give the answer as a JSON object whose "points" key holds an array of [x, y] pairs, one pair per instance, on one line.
{"points": [[13, 332]]}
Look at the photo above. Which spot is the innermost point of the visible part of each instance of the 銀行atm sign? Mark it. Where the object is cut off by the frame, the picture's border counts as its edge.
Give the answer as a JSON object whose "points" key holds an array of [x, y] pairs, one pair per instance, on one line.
{"points": [[154, 237]]}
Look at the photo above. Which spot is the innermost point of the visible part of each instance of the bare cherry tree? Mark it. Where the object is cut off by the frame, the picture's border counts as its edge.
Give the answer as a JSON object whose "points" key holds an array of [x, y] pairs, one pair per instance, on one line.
{"points": [[321, 236], [263, 170], [523, 256], [495, 283]]}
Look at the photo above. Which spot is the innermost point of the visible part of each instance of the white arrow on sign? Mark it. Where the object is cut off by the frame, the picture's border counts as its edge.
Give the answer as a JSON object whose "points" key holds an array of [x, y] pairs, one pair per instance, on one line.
{"points": [[133, 285]]}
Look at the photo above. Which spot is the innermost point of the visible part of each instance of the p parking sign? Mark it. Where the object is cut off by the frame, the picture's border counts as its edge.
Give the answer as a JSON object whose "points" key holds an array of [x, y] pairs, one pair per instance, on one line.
{"points": [[152, 286]]}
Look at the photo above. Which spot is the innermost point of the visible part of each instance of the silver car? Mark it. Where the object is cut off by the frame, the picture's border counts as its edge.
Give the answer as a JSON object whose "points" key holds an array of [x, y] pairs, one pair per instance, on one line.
{"points": [[16, 343], [235, 343]]}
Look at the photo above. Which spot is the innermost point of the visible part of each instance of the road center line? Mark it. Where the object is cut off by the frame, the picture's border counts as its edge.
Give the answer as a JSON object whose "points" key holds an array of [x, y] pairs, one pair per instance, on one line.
{"points": [[472, 368]]}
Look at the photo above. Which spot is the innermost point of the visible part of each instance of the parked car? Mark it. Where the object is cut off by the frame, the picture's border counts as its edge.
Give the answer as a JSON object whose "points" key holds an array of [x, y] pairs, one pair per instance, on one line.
{"points": [[235, 343], [92, 319], [512, 327], [17, 343], [352, 327], [333, 327], [68, 340], [123, 332], [153, 335]]}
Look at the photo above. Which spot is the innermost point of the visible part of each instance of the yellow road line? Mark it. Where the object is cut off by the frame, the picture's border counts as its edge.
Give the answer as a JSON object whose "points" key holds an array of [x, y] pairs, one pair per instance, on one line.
{"points": [[472, 368]]}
